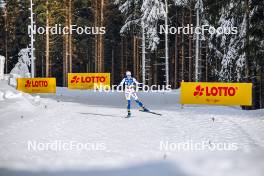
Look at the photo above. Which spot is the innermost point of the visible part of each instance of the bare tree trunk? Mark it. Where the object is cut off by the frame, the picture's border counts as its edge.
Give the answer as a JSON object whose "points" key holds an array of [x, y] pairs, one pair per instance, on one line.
{"points": [[70, 36], [96, 64], [134, 55], [176, 58], [6, 40], [47, 41], [155, 77], [197, 47], [122, 57], [113, 65], [66, 50], [166, 46], [247, 64], [190, 48], [125, 49], [138, 57], [104, 3], [206, 61], [176, 67], [182, 50], [99, 39], [143, 62], [248, 76], [261, 89], [65, 60]]}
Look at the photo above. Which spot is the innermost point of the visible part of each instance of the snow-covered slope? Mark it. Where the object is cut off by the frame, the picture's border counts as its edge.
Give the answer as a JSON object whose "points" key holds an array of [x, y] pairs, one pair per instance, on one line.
{"points": [[130, 146]]}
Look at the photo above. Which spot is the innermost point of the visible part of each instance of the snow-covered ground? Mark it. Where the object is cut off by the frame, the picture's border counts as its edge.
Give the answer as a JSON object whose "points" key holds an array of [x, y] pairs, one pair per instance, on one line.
{"points": [[127, 147]]}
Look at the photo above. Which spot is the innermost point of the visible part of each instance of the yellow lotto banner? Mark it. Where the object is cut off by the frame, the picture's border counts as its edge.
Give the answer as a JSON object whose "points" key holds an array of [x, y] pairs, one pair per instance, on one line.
{"points": [[36, 85], [216, 93], [88, 80]]}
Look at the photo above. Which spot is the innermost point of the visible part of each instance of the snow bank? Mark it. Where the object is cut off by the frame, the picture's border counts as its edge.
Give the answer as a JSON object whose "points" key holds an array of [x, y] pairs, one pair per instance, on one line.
{"points": [[1, 96], [11, 95], [6, 77], [8, 92]]}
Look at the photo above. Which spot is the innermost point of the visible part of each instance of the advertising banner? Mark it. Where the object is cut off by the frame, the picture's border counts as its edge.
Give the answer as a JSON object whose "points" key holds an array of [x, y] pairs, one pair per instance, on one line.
{"points": [[88, 80], [216, 93], [36, 85]]}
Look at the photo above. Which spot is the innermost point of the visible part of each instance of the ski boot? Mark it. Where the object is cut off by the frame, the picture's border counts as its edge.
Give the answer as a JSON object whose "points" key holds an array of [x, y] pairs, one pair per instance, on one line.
{"points": [[144, 109], [128, 114]]}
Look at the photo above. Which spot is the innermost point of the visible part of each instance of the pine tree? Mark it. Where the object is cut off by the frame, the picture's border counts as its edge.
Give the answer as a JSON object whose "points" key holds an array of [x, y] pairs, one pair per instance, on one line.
{"points": [[256, 51], [153, 11], [17, 36]]}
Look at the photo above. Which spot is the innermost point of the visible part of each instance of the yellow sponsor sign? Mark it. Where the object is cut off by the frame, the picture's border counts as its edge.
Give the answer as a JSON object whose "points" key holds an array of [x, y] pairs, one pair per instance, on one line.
{"points": [[216, 93], [36, 85], [88, 80]]}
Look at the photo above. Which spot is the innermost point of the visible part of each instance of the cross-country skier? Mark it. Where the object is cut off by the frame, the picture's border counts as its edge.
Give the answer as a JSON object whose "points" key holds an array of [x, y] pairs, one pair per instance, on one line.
{"points": [[130, 84]]}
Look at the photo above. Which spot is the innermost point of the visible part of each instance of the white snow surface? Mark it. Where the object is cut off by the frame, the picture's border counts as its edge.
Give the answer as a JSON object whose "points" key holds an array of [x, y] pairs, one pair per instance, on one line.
{"points": [[132, 146]]}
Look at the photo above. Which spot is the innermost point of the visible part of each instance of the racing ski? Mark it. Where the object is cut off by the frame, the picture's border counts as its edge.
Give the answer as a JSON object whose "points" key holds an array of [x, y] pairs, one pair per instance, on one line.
{"points": [[151, 112]]}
